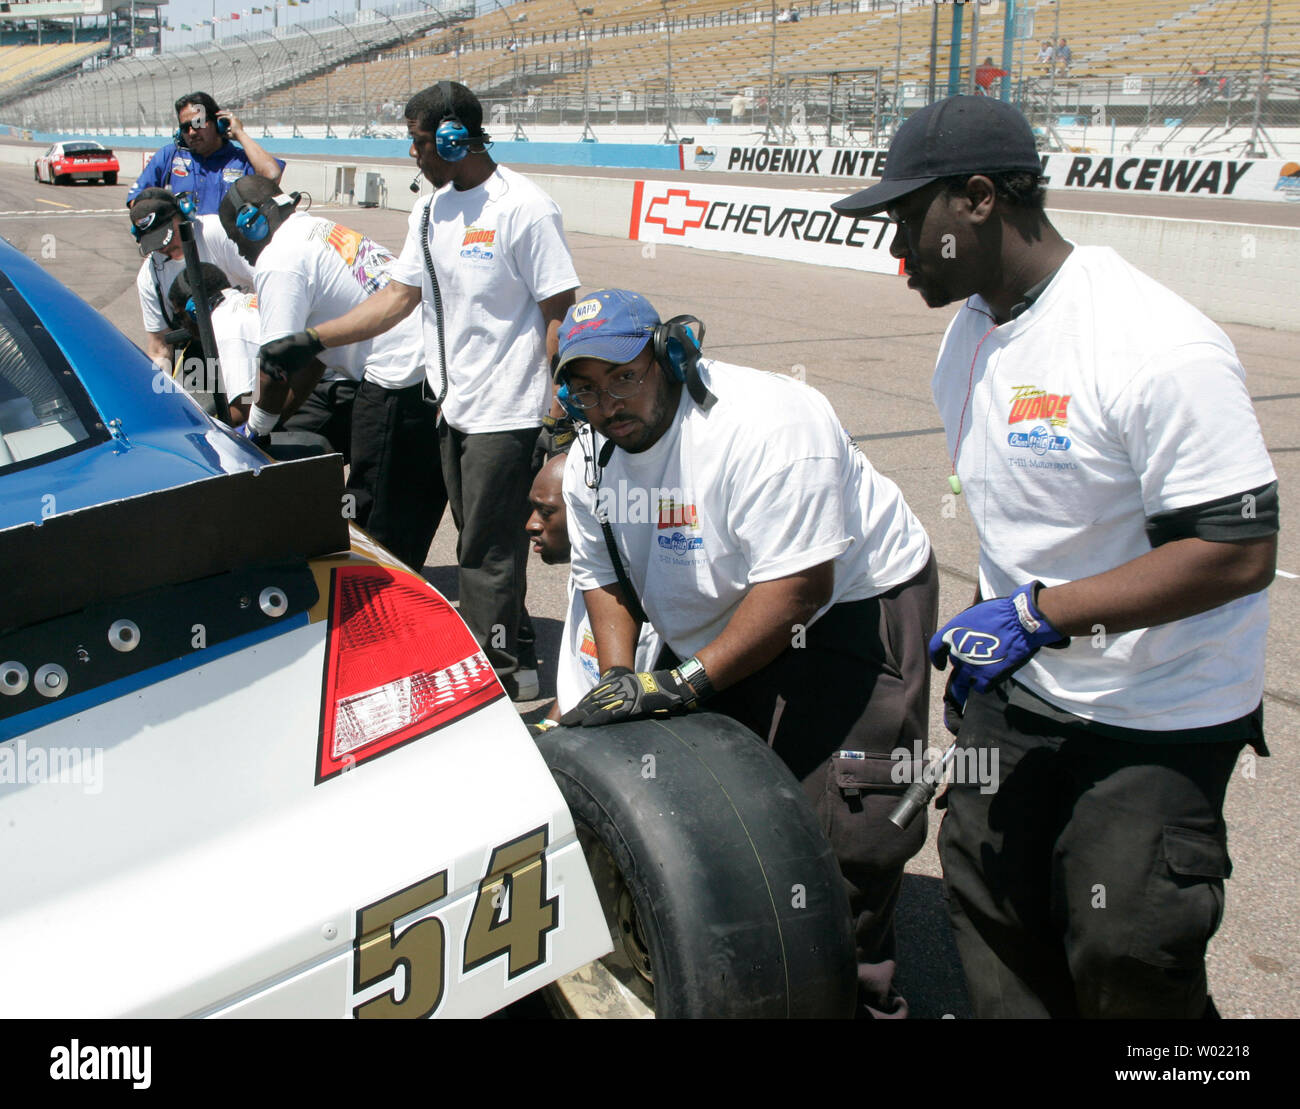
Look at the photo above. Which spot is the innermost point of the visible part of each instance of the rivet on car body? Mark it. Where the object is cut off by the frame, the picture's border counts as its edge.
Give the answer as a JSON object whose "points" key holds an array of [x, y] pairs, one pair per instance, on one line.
{"points": [[124, 635], [329, 932], [83, 655], [51, 680], [273, 601], [13, 678]]}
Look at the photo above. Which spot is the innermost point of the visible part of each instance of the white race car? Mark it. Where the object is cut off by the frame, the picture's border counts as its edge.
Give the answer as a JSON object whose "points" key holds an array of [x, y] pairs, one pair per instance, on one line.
{"points": [[252, 766]]}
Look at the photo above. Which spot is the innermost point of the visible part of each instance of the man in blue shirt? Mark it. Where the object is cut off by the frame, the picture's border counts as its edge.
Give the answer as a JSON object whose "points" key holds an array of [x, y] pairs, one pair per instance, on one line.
{"points": [[213, 151]]}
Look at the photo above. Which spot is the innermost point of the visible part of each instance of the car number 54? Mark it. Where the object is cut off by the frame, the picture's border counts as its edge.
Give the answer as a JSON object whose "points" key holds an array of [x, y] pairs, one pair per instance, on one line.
{"points": [[512, 916]]}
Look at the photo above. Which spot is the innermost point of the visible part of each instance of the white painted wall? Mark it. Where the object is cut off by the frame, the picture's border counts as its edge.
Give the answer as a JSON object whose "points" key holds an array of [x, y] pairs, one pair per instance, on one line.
{"points": [[1233, 272]]}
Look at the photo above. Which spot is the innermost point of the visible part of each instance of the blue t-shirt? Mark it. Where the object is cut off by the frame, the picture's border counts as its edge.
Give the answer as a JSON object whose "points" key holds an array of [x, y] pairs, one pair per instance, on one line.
{"points": [[181, 170]]}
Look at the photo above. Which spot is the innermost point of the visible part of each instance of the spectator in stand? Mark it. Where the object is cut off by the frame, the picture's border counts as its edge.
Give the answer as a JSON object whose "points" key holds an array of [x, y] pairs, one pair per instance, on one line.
{"points": [[985, 75], [1046, 55], [1064, 56]]}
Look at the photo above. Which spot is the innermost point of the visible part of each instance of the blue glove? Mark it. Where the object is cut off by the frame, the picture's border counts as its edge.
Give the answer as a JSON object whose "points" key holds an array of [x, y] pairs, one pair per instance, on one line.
{"points": [[244, 431], [990, 641]]}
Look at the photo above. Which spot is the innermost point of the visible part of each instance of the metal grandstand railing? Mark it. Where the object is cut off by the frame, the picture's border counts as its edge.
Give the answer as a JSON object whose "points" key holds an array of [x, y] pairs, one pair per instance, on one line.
{"points": [[137, 92], [1190, 72]]}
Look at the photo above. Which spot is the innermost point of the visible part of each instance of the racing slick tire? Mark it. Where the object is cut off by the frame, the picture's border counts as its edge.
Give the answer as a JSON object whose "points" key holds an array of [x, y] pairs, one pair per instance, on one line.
{"points": [[61, 178], [36, 173], [722, 894], [109, 179]]}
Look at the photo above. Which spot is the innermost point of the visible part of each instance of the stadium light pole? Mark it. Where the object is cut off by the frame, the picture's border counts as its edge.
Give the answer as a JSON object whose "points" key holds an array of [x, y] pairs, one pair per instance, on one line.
{"points": [[233, 62], [898, 62], [588, 135], [1051, 82], [771, 80], [146, 79], [365, 96], [291, 78], [262, 70], [325, 64], [121, 96], [669, 132], [405, 46], [1256, 131]]}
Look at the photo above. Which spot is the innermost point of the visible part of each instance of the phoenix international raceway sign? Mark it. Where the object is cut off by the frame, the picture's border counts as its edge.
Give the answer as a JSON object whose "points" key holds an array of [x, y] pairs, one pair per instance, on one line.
{"points": [[1238, 178], [772, 223]]}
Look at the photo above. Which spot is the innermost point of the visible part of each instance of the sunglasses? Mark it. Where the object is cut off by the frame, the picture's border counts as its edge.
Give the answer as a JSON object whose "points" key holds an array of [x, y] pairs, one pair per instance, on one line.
{"points": [[192, 126]]}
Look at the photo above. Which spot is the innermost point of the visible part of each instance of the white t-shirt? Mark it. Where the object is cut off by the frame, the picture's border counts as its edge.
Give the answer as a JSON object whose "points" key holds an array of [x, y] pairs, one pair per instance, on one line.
{"points": [[157, 272], [1109, 400], [315, 270], [236, 326], [577, 668], [498, 250], [763, 485]]}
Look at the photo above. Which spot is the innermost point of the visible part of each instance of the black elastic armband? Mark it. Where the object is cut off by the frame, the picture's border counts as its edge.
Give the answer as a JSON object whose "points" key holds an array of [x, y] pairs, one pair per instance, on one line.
{"points": [[1252, 514]]}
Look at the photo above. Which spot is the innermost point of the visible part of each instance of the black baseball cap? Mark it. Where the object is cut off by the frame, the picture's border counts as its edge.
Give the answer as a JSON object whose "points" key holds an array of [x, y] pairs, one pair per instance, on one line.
{"points": [[962, 134], [153, 222]]}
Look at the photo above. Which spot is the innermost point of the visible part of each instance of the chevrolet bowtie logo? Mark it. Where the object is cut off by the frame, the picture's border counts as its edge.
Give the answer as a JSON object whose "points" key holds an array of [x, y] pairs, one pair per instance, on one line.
{"points": [[676, 212]]}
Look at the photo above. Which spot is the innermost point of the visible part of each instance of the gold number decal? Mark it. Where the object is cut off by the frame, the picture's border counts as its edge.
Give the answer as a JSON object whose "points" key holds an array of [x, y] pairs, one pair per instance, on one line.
{"points": [[378, 952], [511, 913]]}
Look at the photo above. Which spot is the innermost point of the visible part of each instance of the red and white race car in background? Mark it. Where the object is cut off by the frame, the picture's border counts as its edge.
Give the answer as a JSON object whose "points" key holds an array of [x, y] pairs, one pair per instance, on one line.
{"points": [[83, 160]]}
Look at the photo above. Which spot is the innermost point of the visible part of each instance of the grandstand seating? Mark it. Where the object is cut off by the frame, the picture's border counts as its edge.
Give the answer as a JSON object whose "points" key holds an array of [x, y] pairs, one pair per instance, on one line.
{"points": [[537, 50], [22, 65]]}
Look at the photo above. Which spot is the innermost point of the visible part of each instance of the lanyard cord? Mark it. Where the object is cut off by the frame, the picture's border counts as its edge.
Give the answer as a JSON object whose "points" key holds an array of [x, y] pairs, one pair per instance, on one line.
{"points": [[437, 302], [954, 482]]}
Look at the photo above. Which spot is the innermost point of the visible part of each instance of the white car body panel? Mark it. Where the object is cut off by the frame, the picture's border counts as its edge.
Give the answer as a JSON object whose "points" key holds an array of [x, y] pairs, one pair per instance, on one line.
{"points": [[210, 874]]}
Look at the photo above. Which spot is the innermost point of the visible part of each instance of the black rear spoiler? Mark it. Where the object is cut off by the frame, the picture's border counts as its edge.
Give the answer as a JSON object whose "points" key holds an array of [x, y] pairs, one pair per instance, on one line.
{"points": [[284, 512]]}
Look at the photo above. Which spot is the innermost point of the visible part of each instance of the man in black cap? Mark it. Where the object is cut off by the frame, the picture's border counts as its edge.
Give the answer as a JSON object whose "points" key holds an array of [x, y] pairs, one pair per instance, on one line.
{"points": [[156, 224], [1126, 508]]}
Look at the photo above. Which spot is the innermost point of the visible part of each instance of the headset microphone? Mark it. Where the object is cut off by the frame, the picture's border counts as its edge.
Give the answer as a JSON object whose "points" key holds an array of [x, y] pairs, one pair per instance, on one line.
{"points": [[415, 185]]}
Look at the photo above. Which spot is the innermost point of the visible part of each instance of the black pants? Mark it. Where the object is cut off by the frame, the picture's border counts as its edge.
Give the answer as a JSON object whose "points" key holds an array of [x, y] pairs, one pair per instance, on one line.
{"points": [[396, 472], [857, 682], [327, 411], [488, 476], [1090, 882]]}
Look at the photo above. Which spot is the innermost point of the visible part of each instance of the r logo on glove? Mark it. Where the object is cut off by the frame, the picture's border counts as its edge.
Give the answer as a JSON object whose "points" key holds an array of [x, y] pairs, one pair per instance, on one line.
{"points": [[990, 641]]}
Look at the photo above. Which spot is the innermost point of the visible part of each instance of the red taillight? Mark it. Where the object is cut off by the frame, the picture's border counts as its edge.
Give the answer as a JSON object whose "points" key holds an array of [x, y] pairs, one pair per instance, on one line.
{"points": [[398, 664]]}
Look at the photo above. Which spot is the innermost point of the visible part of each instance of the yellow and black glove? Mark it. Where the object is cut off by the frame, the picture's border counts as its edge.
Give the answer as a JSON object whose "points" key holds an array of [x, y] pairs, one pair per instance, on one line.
{"points": [[624, 694]]}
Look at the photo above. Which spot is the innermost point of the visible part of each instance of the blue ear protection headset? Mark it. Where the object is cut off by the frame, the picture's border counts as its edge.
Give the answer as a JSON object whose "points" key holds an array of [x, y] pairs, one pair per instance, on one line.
{"points": [[213, 301], [677, 351], [250, 216], [452, 139]]}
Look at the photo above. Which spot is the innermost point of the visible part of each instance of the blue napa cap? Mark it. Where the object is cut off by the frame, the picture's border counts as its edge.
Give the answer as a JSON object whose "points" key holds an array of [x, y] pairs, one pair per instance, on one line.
{"points": [[612, 325]]}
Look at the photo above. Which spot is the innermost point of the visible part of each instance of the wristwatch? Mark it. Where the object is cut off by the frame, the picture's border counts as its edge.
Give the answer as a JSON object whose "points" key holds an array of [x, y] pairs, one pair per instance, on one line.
{"points": [[692, 672]]}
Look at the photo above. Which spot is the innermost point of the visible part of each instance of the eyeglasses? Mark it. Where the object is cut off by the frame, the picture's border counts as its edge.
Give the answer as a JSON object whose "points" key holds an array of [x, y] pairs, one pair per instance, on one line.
{"points": [[621, 387], [190, 125]]}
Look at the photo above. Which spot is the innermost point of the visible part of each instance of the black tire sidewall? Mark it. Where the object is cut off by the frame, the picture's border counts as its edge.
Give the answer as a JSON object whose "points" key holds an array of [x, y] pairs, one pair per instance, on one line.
{"points": [[710, 847]]}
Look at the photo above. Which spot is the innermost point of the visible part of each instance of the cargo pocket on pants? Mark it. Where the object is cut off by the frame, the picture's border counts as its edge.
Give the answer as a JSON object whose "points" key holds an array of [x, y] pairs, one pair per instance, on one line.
{"points": [[1184, 899], [859, 796]]}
